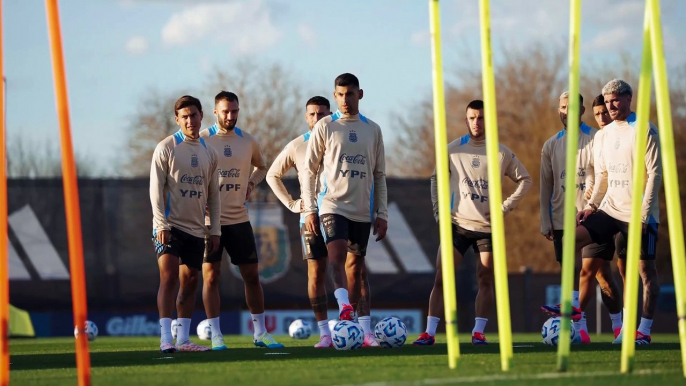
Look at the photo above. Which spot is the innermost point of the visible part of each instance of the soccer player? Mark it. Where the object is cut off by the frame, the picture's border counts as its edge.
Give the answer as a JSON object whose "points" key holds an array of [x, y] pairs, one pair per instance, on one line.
{"points": [[314, 247], [471, 220], [346, 152], [238, 153], [182, 184], [605, 216], [552, 190]]}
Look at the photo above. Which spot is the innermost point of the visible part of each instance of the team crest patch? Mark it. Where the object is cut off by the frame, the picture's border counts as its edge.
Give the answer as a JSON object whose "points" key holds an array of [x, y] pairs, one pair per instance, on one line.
{"points": [[617, 144], [352, 136], [194, 160], [476, 163], [227, 151]]}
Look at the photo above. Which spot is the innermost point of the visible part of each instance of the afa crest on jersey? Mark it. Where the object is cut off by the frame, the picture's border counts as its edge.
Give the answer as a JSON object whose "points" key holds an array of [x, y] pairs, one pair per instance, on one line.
{"points": [[352, 136], [476, 163], [194, 160], [617, 144], [227, 151]]}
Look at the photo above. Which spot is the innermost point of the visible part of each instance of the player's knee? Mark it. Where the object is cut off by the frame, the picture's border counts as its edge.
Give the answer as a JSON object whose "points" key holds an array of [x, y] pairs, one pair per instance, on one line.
{"points": [[211, 279], [251, 276], [485, 278], [168, 281]]}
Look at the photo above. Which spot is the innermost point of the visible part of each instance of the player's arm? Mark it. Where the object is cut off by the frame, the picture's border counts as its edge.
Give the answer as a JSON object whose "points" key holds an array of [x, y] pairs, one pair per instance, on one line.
{"points": [[591, 177], [159, 169], [434, 194], [516, 171], [600, 170], [380, 191], [213, 200], [316, 146], [654, 171], [546, 190], [260, 166], [281, 165]]}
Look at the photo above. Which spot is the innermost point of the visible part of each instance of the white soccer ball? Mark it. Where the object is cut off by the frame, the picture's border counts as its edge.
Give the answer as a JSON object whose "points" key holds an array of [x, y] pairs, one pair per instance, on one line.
{"points": [[332, 324], [551, 331], [299, 329], [91, 330], [390, 332], [347, 335], [204, 330], [173, 328]]}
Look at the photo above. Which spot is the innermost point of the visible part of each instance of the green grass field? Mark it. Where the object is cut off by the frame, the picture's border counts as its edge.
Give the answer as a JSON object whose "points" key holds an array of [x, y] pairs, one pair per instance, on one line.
{"points": [[135, 361]]}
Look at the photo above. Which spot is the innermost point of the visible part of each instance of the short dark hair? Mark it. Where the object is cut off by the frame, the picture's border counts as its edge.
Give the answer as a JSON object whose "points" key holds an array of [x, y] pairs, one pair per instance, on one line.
{"points": [[318, 101], [347, 79], [476, 104], [186, 101], [599, 101], [226, 95]]}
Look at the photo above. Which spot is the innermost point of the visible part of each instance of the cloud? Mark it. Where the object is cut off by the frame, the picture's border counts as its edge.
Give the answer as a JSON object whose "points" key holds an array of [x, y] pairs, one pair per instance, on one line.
{"points": [[308, 35], [614, 38], [246, 26], [420, 38], [137, 45]]}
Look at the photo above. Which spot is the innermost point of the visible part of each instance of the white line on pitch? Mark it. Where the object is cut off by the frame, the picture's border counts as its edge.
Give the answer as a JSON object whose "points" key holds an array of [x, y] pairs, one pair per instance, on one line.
{"points": [[507, 378]]}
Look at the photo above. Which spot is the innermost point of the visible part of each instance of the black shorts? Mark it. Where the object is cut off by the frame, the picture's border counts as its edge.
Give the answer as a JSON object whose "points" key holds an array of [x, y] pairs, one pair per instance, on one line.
{"points": [[605, 251], [336, 227], [464, 238], [239, 242], [313, 245], [603, 228], [188, 248]]}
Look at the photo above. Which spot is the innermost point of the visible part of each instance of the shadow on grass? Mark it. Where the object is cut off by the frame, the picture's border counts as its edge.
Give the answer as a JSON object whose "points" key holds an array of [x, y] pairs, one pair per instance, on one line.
{"points": [[147, 358]]}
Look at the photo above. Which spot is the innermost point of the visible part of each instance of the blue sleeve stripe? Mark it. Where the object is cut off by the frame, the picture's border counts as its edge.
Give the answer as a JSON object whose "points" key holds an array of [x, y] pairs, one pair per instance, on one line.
{"points": [[202, 142], [178, 137], [238, 132], [363, 118]]}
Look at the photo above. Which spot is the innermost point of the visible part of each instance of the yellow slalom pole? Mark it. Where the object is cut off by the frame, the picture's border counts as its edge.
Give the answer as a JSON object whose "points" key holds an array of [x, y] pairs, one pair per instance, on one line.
{"points": [[573, 122], [445, 222], [669, 171], [502, 295], [635, 224], [4, 247]]}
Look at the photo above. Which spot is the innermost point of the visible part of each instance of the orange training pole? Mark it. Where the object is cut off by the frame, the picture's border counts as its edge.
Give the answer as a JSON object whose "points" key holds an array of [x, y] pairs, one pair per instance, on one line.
{"points": [[4, 267], [71, 196]]}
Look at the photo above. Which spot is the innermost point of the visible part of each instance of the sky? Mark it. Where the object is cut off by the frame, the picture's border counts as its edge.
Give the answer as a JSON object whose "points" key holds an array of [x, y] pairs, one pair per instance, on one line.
{"points": [[116, 51]]}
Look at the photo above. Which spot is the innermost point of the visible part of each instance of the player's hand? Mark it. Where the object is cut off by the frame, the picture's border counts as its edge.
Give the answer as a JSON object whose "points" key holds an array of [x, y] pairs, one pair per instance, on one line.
{"points": [[583, 215], [212, 244], [488, 216], [251, 186], [163, 237], [380, 228], [549, 235], [312, 223]]}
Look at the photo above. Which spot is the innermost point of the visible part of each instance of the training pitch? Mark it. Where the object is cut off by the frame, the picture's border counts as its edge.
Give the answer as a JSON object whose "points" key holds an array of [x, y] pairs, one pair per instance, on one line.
{"points": [[136, 361]]}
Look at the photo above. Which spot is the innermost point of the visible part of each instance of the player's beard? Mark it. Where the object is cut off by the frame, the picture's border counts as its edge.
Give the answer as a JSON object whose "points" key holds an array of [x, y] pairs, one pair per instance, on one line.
{"points": [[228, 128]]}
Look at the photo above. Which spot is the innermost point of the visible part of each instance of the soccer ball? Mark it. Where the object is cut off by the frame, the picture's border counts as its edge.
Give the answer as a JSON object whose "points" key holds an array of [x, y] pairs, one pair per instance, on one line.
{"points": [[173, 328], [551, 331], [347, 335], [204, 330], [91, 330], [390, 332], [299, 329], [332, 324]]}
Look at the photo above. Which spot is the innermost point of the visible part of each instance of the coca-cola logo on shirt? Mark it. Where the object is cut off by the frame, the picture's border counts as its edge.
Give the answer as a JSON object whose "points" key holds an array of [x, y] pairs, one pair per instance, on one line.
{"points": [[193, 180], [358, 159], [231, 173]]}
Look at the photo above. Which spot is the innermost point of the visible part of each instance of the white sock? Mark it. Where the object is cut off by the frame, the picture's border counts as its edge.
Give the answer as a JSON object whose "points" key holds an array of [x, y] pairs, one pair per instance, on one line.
{"points": [[366, 323], [183, 330], [432, 324], [258, 323], [165, 331], [324, 328], [341, 295], [616, 320], [216, 328], [644, 327], [479, 325], [582, 322], [575, 299]]}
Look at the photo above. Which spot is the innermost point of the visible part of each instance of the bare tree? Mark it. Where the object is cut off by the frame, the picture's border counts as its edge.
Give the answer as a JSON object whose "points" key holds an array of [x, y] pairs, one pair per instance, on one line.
{"points": [[271, 101], [42, 159]]}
